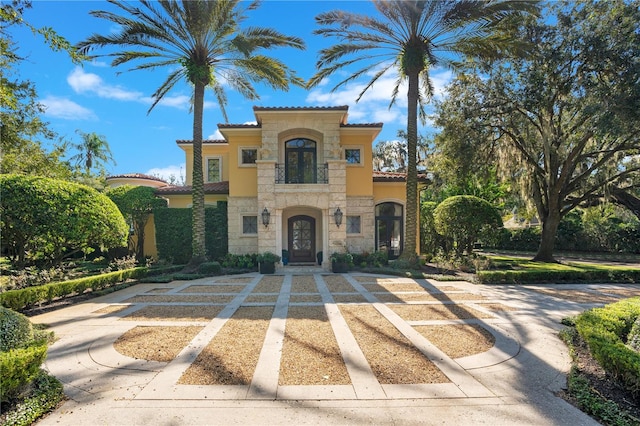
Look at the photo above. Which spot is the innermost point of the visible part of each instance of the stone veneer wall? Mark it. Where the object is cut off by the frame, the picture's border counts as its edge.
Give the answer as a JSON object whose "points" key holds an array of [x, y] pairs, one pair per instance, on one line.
{"points": [[236, 208], [365, 241]]}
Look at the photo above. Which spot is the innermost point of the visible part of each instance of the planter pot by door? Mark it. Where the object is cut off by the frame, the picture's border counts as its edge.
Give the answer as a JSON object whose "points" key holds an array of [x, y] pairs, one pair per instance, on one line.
{"points": [[267, 267]]}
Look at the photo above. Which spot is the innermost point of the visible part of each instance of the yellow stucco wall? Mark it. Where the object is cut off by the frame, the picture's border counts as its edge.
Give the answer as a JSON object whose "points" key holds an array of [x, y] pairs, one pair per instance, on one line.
{"points": [[359, 176]]}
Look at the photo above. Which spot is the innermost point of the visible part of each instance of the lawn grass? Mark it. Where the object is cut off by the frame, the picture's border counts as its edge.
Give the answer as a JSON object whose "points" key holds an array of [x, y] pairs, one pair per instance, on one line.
{"points": [[516, 270]]}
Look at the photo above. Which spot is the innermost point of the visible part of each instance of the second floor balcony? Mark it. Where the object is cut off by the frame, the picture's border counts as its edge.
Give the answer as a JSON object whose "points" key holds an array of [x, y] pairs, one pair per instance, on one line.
{"points": [[302, 173]]}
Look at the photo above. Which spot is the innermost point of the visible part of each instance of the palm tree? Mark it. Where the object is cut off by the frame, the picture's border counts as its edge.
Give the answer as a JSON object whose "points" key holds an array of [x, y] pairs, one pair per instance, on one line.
{"points": [[201, 42], [93, 149], [411, 38]]}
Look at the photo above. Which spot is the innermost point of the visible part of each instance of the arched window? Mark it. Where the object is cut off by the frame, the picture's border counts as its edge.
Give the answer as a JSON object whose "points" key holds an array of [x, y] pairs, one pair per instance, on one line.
{"points": [[389, 229]]}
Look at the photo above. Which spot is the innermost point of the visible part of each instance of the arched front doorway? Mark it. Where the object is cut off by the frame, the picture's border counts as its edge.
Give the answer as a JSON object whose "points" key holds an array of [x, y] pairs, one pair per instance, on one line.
{"points": [[302, 238], [389, 226]]}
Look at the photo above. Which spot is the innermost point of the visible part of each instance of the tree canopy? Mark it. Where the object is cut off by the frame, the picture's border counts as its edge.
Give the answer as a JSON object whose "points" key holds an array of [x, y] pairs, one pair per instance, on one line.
{"points": [[410, 39], [203, 43], [563, 122]]}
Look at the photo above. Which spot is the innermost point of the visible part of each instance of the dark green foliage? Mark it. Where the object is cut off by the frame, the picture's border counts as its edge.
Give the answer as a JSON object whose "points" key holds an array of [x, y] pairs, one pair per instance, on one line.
{"points": [[15, 330], [45, 395], [173, 233], [464, 219], [136, 203], [45, 219], [592, 403], [187, 277], [595, 229], [210, 268], [633, 339], [430, 240], [240, 261], [19, 367], [626, 276], [30, 296], [376, 259], [605, 330]]}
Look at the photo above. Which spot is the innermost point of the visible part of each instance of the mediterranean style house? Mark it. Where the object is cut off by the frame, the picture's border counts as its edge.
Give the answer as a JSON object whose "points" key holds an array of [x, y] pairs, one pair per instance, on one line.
{"points": [[301, 179]]}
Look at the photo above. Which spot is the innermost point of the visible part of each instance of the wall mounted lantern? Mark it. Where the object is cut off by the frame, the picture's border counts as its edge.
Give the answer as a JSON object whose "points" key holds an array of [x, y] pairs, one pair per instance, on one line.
{"points": [[337, 217], [266, 216]]}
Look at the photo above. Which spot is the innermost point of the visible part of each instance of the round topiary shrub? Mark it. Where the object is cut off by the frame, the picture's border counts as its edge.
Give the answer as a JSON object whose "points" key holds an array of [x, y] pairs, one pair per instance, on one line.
{"points": [[210, 268], [464, 218], [16, 330]]}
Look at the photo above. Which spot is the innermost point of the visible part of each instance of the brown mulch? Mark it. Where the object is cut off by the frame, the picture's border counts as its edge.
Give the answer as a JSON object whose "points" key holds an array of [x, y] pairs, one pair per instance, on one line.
{"points": [[228, 359], [174, 313], [392, 357], [337, 284], [167, 342], [498, 307], [437, 312], [220, 288], [458, 340], [310, 353]]}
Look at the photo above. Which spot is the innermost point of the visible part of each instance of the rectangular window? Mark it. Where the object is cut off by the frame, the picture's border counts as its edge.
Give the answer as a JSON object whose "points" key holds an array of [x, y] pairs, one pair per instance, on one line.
{"points": [[248, 155], [352, 155], [249, 225], [353, 225], [213, 170]]}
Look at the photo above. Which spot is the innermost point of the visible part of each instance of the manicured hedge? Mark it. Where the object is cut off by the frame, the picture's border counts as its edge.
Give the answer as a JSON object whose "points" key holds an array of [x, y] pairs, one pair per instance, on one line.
{"points": [[30, 296], [173, 233], [19, 367], [529, 277], [606, 331]]}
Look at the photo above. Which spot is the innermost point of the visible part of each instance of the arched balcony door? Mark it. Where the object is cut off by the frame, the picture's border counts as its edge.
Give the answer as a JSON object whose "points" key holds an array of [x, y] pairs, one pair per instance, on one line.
{"points": [[302, 239], [389, 229], [300, 161]]}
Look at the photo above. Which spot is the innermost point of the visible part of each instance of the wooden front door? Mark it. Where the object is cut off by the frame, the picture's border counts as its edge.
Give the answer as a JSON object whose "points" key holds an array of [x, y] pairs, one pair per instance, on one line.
{"points": [[302, 239]]}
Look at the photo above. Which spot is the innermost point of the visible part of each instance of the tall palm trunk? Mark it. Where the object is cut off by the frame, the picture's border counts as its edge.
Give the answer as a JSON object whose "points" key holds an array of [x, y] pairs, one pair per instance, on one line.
{"points": [[409, 250], [198, 242]]}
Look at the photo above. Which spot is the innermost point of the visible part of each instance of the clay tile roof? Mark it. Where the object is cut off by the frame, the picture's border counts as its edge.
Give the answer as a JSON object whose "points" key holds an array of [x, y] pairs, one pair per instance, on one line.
{"points": [[209, 188], [306, 108], [136, 176], [362, 125], [235, 126], [396, 177], [204, 141]]}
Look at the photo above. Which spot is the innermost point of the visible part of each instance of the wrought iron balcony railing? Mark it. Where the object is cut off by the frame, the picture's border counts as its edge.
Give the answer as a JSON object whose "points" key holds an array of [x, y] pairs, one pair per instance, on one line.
{"points": [[302, 175]]}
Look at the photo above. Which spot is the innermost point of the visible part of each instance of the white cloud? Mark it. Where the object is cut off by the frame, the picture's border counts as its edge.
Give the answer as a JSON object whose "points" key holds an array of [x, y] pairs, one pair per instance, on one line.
{"points": [[215, 135], [89, 83], [84, 82], [177, 171], [66, 109]]}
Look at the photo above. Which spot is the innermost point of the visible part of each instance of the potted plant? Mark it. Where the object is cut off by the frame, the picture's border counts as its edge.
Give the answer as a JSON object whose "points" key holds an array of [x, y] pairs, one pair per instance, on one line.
{"points": [[267, 262], [285, 257], [341, 262]]}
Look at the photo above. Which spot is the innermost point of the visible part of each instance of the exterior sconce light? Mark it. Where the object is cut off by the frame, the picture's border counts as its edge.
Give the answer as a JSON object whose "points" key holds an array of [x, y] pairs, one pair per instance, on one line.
{"points": [[337, 217], [266, 216]]}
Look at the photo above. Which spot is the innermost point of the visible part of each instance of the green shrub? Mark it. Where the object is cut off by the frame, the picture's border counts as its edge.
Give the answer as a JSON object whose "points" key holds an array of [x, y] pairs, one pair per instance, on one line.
{"points": [[16, 330], [209, 268], [19, 367], [45, 219], [188, 277], [465, 219], [30, 296], [633, 339], [46, 394], [240, 261], [568, 276], [605, 330]]}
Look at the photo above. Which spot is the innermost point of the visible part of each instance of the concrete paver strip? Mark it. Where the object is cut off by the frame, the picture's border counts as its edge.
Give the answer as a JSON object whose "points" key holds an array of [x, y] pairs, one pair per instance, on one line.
{"points": [[512, 383]]}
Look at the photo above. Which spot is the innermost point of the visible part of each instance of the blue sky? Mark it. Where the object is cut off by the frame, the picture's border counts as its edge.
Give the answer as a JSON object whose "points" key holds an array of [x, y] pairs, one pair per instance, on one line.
{"points": [[113, 102]]}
